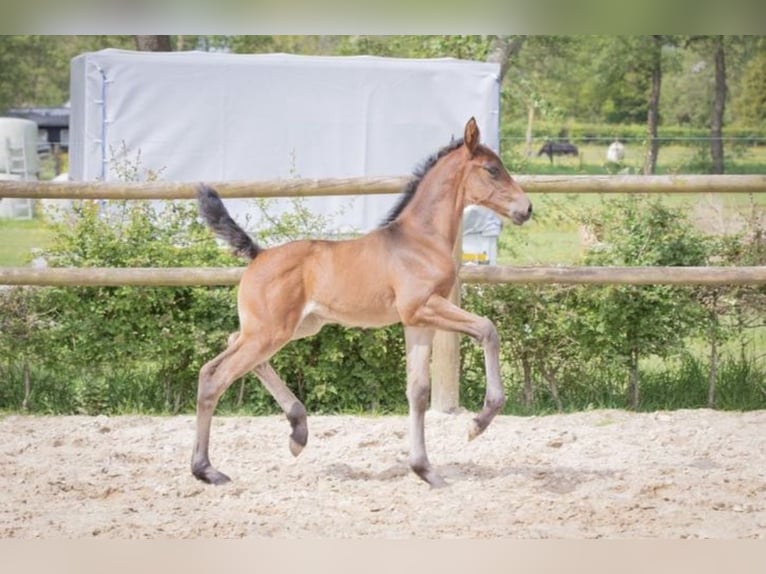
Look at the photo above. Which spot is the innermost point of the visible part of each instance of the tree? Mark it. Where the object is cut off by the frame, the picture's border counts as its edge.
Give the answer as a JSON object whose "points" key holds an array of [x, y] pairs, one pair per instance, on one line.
{"points": [[719, 106], [750, 103], [534, 82], [502, 50], [21, 322], [728, 54], [153, 43], [714, 46], [633, 321], [653, 106], [35, 69]]}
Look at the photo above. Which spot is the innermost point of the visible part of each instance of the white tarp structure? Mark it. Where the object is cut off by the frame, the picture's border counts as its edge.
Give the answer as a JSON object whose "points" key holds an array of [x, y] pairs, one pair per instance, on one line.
{"points": [[196, 116]]}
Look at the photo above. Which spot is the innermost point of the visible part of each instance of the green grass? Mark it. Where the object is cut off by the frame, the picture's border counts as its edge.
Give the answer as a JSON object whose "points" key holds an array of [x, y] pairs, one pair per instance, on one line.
{"points": [[18, 238], [672, 159], [554, 237]]}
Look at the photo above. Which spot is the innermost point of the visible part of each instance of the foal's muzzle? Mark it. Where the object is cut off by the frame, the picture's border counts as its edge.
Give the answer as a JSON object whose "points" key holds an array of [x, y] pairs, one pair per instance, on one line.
{"points": [[520, 216]]}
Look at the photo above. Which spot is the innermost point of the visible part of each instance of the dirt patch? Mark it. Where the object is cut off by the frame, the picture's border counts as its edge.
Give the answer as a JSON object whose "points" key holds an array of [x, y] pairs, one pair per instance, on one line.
{"points": [[611, 474]]}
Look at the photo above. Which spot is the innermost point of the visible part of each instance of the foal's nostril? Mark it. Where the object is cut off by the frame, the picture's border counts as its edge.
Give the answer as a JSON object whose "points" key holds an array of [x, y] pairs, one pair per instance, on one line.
{"points": [[529, 211]]}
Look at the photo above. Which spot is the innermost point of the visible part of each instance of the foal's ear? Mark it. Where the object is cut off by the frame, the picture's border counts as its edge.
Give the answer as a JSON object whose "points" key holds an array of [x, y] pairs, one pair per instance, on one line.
{"points": [[471, 136]]}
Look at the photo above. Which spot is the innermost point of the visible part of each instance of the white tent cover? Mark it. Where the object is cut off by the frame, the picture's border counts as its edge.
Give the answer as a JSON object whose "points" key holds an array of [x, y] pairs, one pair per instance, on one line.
{"points": [[197, 116]]}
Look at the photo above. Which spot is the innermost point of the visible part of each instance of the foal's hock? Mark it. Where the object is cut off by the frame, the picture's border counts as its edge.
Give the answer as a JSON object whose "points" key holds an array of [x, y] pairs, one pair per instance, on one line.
{"points": [[402, 272]]}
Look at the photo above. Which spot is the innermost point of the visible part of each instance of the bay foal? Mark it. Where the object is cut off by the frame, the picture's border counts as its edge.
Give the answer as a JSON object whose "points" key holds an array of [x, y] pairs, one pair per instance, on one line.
{"points": [[402, 271]]}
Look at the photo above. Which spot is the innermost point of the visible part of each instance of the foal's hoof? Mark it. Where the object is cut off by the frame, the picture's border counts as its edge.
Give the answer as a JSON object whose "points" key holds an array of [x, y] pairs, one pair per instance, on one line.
{"points": [[429, 475], [211, 476], [437, 481], [299, 437], [475, 429], [295, 447]]}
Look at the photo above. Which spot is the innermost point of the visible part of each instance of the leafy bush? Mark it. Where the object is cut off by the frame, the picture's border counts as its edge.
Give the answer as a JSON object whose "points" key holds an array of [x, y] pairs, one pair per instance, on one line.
{"points": [[139, 349], [164, 331], [117, 349]]}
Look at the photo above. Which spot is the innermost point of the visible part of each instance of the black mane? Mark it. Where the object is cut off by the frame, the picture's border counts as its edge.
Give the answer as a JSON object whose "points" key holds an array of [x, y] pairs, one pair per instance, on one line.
{"points": [[412, 186]]}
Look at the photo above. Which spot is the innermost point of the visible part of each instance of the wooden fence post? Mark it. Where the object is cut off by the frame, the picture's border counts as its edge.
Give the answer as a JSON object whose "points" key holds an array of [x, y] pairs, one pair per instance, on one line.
{"points": [[445, 356]]}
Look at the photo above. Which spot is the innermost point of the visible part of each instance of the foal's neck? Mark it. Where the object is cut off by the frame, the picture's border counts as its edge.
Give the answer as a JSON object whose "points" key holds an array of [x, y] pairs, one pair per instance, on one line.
{"points": [[437, 206]]}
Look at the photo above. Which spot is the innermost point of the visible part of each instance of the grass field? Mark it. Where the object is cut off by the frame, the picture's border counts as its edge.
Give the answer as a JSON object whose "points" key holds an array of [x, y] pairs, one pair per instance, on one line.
{"points": [[672, 159], [18, 239], [554, 237]]}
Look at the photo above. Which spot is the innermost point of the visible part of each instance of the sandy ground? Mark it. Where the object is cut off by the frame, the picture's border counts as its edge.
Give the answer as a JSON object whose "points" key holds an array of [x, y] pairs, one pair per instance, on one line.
{"points": [[599, 474]]}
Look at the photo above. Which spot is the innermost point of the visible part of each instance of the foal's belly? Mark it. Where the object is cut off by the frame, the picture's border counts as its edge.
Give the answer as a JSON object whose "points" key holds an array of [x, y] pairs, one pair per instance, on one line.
{"points": [[358, 316]]}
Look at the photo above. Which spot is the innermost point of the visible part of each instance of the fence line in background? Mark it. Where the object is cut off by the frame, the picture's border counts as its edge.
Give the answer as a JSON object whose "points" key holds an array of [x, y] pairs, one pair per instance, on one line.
{"points": [[380, 185], [445, 395], [569, 275], [755, 140]]}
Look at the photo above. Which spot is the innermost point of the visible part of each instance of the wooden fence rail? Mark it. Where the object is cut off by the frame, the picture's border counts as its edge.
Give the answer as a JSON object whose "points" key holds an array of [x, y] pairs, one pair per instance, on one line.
{"points": [[381, 185], [445, 364], [210, 276]]}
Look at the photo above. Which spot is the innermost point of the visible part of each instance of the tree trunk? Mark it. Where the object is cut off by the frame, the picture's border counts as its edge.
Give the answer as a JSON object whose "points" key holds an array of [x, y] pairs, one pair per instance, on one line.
{"points": [[713, 376], [653, 114], [633, 387], [554, 387], [153, 43], [27, 387], [719, 106], [502, 50], [529, 386]]}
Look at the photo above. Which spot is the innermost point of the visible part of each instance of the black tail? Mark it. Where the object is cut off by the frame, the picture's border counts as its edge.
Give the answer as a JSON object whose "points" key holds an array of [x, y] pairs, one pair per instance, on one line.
{"points": [[213, 211]]}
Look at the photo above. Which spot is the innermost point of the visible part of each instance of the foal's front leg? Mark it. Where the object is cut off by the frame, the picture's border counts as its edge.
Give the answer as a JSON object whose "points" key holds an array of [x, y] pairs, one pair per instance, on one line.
{"points": [[418, 343], [442, 314]]}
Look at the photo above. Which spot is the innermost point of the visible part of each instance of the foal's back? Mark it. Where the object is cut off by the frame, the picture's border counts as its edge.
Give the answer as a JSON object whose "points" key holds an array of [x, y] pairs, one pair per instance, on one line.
{"points": [[345, 281]]}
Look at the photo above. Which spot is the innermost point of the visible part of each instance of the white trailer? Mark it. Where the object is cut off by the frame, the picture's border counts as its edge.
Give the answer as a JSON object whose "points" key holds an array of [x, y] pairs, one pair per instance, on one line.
{"points": [[198, 116]]}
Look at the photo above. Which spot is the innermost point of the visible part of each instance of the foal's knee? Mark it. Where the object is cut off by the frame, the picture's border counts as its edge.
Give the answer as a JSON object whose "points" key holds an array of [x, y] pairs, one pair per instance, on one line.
{"points": [[487, 336], [418, 394]]}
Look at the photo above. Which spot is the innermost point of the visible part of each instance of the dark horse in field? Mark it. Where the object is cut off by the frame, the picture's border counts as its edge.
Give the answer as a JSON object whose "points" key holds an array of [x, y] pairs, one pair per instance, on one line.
{"points": [[558, 148], [402, 272]]}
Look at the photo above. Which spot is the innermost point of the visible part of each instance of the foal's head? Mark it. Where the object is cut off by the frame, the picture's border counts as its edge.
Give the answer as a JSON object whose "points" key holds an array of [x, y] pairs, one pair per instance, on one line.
{"points": [[486, 181]]}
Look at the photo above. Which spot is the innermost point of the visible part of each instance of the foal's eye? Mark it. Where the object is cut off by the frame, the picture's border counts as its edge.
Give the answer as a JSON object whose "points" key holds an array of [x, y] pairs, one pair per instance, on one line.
{"points": [[493, 170]]}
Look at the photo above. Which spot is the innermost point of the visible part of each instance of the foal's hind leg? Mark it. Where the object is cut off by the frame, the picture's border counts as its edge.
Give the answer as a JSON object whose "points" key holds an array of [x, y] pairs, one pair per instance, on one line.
{"points": [[418, 343], [294, 409], [241, 356]]}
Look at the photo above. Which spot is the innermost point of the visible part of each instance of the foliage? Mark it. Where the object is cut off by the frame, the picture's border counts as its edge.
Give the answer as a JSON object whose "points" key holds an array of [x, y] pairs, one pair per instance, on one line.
{"points": [[36, 68], [463, 47], [631, 321], [537, 329], [172, 329], [566, 78], [124, 349], [751, 104], [129, 349], [113, 341]]}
